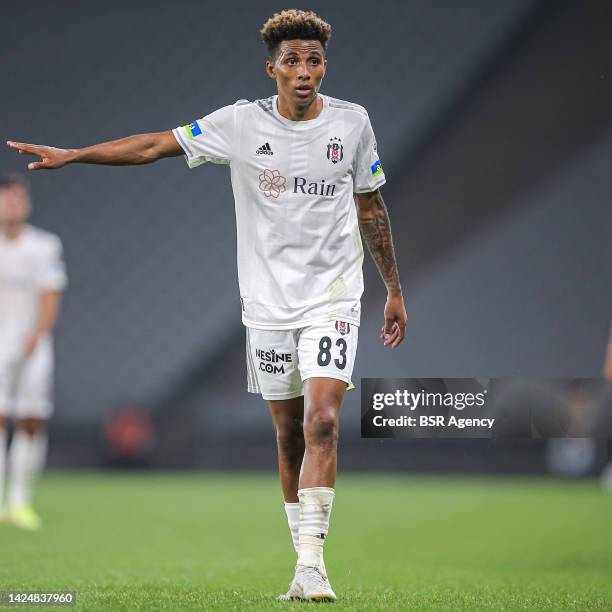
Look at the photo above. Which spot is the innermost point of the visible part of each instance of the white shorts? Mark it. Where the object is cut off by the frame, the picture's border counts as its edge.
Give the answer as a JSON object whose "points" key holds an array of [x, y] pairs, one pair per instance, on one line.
{"points": [[26, 385], [279, 361]]}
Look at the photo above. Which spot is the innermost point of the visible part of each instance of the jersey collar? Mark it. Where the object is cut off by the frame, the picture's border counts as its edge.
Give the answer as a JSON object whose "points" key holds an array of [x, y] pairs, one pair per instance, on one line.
{"points": [[301, 125]]}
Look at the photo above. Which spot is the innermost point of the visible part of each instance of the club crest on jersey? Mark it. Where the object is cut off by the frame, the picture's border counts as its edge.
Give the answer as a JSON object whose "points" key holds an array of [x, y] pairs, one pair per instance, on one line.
{"points": [[272, 183], [335, 150], [343, 328]]}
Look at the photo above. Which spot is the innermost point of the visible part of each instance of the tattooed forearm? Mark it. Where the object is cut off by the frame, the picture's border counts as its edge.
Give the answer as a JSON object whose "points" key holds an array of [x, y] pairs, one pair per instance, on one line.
{"points": [[376, 231]]}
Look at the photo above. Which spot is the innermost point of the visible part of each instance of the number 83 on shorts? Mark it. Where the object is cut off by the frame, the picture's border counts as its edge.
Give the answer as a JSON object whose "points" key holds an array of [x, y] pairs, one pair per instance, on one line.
{"points": [[279, 361]]}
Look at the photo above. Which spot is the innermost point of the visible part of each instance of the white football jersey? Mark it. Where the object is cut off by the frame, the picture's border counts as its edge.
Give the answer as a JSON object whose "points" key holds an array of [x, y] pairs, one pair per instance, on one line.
{"points": [[299, 248], [29, 265]]}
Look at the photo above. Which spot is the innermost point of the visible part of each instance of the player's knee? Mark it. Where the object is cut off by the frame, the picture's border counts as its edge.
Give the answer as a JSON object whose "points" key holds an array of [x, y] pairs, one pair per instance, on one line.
{"points": [[322, 426], [30, 426], [3, 422]]}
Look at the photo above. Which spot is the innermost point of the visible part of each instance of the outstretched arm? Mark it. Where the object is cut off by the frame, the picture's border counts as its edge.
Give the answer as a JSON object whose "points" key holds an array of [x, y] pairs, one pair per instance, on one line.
{"points": [[376, 231], [133, 150]]}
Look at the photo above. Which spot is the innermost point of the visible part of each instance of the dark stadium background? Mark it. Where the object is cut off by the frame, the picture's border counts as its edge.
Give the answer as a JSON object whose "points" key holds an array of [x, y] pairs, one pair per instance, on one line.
{"points": [[494, 125]]}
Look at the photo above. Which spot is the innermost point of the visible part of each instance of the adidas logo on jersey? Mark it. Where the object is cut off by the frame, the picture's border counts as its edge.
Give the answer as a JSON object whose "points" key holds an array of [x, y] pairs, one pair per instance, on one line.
{"points": [[264, 150]]}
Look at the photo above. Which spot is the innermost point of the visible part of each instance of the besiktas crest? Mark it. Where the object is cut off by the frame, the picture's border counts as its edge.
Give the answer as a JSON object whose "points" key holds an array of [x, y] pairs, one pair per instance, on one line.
{"points": [[335, 150], [342, 327]]}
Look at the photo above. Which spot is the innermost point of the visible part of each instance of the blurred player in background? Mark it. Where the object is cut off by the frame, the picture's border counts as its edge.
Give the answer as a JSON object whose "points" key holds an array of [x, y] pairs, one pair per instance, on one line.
{"points": [[32, 278], [306, 175]]}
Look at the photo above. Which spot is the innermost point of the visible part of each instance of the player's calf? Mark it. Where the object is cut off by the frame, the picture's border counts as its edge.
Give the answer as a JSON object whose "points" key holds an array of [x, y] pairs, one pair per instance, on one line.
{"points": [[3, 453]]}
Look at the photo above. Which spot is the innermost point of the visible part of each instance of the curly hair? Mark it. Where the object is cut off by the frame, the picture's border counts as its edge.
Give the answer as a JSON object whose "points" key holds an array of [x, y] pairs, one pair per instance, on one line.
{"points": [[294, 24]]}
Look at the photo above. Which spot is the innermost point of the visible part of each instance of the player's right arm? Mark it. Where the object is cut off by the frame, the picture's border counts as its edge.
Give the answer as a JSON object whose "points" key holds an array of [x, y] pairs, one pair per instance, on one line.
{"points": [[133, 150]]}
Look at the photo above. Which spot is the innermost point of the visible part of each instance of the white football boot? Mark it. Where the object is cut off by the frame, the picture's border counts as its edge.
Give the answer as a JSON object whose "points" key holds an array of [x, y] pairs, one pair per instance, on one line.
{"points": [[294, 592], [313, 584]]}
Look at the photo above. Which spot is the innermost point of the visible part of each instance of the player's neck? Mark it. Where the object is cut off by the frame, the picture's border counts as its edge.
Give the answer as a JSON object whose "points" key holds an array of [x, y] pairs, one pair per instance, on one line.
{"points": [[300, 113], [12, 231]]}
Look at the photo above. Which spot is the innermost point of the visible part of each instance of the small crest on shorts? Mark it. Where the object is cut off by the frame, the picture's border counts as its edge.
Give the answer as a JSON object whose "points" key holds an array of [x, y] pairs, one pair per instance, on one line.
{"points": [[343, 328]]}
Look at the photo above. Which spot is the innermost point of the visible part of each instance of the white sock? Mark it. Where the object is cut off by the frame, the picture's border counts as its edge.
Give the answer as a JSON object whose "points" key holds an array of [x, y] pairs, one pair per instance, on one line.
{"points": [[39, 451], [293, 518], [315, 509], [3, 436], [26, 459]]}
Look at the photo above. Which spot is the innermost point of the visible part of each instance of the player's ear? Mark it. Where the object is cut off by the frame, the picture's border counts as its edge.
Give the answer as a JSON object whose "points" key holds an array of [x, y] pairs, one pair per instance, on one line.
{"points": [[270, 68], [324, 68]]}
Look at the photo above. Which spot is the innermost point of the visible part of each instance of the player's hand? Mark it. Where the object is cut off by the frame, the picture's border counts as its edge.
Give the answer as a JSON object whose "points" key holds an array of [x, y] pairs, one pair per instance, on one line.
{"points": [[51, 157], [394, 329]]}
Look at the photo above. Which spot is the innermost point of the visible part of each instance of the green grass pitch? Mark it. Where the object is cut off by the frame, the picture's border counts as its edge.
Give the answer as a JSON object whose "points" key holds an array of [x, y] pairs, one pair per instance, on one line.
{"points": [[221, 542]]}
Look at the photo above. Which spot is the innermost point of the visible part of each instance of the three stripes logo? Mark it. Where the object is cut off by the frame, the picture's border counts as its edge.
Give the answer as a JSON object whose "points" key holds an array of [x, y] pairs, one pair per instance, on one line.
{"points": [[264, 150]]}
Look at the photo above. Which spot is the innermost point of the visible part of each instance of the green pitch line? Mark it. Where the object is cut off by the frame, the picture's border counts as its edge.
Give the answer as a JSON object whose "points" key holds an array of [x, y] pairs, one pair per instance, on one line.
{"points": [[188, 542]]}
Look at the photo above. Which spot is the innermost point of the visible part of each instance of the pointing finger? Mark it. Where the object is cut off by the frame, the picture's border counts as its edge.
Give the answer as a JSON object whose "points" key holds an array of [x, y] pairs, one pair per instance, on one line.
{"points": [[22, 147]]}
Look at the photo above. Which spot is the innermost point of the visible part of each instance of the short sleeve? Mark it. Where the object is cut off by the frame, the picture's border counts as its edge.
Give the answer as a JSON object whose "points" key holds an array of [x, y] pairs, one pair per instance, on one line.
{"points": [[52, 275], [368, 173], [208, 139]]}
